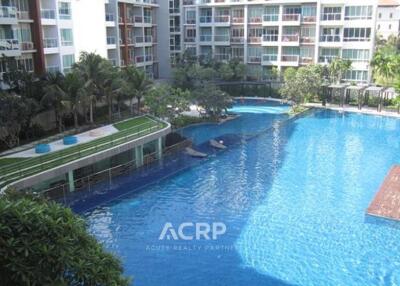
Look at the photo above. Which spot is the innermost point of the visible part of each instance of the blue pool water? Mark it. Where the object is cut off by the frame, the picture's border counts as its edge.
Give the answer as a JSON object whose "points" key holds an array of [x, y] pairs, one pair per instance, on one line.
{"points": [[292, 195]]}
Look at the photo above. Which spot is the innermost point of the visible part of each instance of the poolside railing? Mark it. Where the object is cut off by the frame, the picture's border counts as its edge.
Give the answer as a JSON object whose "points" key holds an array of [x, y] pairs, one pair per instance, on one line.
{"points": [[38, 164]]}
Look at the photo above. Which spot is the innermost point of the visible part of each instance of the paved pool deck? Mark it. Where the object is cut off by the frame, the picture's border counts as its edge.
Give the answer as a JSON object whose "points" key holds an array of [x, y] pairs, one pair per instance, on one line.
{"points": [[348, 108], [386, 203]]}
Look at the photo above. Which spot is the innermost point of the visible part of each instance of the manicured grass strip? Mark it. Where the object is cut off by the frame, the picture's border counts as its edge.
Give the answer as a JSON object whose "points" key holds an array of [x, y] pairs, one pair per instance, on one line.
{"points": [[131, 123], [45, 162], [8, 161]]}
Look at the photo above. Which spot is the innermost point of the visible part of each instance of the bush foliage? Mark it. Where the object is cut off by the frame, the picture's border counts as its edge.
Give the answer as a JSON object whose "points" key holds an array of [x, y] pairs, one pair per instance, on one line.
{"points": [[43, 243]]}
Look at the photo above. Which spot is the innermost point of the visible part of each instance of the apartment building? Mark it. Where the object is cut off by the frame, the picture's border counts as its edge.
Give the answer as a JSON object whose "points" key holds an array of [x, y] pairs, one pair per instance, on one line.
{"points": [[276, 33], [388, 19], [131, 34], [20, 34]]}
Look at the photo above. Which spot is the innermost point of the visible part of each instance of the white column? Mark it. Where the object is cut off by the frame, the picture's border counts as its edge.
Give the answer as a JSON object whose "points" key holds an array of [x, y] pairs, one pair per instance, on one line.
{"points": [[317, 32], [246, 33], [139, 156], [71, 183], [159, 149]]}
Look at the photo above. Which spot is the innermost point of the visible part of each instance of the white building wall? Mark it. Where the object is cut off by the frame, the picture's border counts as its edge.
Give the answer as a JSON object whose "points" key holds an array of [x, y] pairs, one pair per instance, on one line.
{"points": [[388, 19], [89, 26]]}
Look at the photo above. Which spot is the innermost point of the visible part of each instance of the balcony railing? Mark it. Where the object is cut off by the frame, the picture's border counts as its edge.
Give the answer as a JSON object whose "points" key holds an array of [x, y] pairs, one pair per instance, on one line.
{"points": [[50, 43], [145, 39], [53, 69], [9, 44], [190, 21], [205, 38], [147, 19], [269, 57], [254, 40], [111, 40], [175, 29], [271, 18], [306, 60], [307, 39], [270, 38], [221, 38], [190, 39], [27, 46], [222, 57], [8, 12], [327, 59], [254, 59], [23, 15], [255, 20], [291, 17], [222, 19], [330, 38], [309, 19], [189, 2], [290, 38], [237, 40], [237, 20], [48, 14], [205, 19], [290, 58], [67, 43]]}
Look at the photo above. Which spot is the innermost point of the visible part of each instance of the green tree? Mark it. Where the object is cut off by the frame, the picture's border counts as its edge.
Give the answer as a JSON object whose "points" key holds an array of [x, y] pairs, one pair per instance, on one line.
{"points": [[167, 102], [212, 99], [14, 110], [90, 68], [289, 87], [386, 67], [44, 243], [54, 96], [337, 68], [136, 85], [74, 87]]}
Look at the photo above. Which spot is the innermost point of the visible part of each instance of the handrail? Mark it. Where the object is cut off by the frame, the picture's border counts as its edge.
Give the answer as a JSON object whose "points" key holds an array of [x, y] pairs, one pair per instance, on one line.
{"points": [[19, 169]]}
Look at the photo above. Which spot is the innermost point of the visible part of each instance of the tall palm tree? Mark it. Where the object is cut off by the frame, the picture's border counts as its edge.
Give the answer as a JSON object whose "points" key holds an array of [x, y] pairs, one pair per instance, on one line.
{"points": [[54, 95], [386, 67], [74, 88], [337, 68], [90, 68], [136, 85]]}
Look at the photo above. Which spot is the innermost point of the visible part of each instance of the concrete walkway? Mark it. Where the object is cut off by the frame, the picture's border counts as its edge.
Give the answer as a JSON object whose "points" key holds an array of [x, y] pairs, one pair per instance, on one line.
{"points": [[347, 108]]}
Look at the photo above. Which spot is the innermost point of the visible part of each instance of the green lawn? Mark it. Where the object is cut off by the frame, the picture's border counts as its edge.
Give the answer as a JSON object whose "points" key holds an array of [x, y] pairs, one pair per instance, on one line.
{"points": [[8, 161], [11, 170]]}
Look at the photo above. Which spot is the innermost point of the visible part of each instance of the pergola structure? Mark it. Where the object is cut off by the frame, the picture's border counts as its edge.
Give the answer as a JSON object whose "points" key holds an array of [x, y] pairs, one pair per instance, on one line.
{"points": [[343, 94]]}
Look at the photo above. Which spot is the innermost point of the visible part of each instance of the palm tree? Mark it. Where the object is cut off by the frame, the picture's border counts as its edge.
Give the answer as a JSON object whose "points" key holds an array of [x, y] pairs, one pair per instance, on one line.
{"points": [[90, 68], [136, 85], [54, 95], [74, 87], [337, 68], [386, 67]]}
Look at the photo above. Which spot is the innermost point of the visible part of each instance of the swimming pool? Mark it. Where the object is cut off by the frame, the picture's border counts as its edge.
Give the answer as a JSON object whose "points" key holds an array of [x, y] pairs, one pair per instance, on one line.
{"points": [[292, 196]]}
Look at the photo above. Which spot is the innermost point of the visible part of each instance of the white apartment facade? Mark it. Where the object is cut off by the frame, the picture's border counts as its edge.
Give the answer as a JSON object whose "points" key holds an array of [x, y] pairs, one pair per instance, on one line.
{"points": [[388, 18], [131, 34], [277, 33]]}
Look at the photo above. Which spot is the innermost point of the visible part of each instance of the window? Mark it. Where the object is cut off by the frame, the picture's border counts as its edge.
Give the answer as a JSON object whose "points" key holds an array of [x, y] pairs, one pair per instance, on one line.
{"points": [[271, 34], [271, 14], [330, 35], [391, 15], [356, 55], [191, 17], [270, 54], [331, 14], [358, 12], [356, 75], [380, 15], [64, 10], [326, 55], [66, 37], [68, 62], [357, 34], [379, 27], [390, 26]]}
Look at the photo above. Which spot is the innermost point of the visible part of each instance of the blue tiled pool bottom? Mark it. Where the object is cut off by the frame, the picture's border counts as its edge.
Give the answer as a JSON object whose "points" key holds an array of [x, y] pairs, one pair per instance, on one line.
{"points": [[293, 200]]}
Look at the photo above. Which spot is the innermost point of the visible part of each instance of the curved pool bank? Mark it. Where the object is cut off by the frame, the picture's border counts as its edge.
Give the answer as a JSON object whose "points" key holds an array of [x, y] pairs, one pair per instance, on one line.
{"points": [[293, 199]]}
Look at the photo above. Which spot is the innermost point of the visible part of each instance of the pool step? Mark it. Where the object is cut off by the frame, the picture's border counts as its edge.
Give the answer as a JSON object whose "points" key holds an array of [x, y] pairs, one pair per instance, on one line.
{"points": [[386, 203]]}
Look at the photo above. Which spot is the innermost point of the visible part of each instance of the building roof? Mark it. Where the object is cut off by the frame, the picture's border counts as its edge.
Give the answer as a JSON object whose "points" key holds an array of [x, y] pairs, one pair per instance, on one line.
{"points": [[388, 3]]}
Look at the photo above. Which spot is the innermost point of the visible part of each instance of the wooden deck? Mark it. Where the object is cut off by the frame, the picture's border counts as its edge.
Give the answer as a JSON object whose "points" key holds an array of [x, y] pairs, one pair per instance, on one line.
{"points": [[386, 203]]}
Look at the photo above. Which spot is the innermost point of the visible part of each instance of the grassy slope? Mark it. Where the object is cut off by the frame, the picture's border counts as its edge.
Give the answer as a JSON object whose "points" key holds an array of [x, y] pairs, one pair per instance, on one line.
{"points": [[67, 155]]}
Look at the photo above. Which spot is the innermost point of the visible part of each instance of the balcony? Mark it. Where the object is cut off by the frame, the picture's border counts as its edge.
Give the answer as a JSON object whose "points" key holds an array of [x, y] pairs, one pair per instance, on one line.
{"points": [[254, 59], [8, 12], [190, 39], [49, 14], [49, 43], [269, 19], [205, 38], [222, 57], [222, 20], [331, 16], [205, 20], [27, 46], [290, 60], [309, 19], [174, 29], [9, 47], [291, 19], [237, 20], [291, 39], [255, 20], [111, 40], [190, 22], [270, 40], [143, 40], [189, 2], [269, 59], [222, 39], [306, 60], [254, 40], [237, 40], [330, 40], [307, 40], [23, 15], [110, 17]]}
